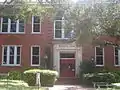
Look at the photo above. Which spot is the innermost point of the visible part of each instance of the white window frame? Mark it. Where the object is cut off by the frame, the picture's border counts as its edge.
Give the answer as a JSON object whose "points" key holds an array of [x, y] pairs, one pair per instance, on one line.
{"points": [[33, 27], [32, 55], [9, 27], [102, 56], [118, 57], [8, 58], [62, 30]]}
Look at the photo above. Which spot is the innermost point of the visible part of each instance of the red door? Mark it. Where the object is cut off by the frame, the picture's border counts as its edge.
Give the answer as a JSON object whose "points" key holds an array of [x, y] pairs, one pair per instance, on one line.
{"points": [[67, 68]]}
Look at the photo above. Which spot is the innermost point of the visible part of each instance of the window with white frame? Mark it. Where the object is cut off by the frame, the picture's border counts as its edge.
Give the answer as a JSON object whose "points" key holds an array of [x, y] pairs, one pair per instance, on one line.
{"points": [[59, 29], [116, 56], [99, 56], [36, 24], [35, 55], [11, 26], [11, 55]]}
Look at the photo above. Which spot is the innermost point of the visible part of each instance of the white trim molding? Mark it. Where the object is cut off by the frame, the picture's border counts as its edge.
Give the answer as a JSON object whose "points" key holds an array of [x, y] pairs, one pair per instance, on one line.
{"points": [[118, 56], [103, 54], [33, 26], [35, 55], [8, 55], [17, 25], [67, 48]]}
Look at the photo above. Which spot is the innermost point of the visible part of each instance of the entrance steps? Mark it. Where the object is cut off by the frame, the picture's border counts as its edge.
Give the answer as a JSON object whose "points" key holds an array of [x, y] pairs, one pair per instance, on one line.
{"points": [[67, 81]]}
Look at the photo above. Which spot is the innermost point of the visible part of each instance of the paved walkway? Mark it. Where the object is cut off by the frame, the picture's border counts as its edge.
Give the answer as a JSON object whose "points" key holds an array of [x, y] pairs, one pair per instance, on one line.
{"points": [[69, 87]]}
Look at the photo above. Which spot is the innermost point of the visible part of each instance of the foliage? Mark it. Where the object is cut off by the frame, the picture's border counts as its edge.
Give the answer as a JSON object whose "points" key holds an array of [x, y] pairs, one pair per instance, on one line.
{"points": [[47, 77], [15, 75], [87, 66], [100, 77], [16, 85], [30, 78]]}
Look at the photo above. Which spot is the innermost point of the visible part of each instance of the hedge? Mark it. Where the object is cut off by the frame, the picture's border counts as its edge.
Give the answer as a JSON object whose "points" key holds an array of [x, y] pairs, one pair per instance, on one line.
{"points": [[47, 77], [99, 77]]}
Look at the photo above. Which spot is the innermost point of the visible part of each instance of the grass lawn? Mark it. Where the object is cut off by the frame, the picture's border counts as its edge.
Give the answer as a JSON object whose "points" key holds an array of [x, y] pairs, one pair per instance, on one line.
{"points": [[17, 85]]}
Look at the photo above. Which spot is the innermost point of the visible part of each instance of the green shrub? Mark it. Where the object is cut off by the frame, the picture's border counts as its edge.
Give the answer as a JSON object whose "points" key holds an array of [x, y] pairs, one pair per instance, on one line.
{"points": [[99, 77], [47, 77], [117, 75], [87, 66], [30, 78], [14, 75]]}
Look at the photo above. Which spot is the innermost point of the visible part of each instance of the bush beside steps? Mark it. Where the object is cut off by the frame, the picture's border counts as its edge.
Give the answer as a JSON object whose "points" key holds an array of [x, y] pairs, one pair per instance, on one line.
{"points": [[47, 77]]}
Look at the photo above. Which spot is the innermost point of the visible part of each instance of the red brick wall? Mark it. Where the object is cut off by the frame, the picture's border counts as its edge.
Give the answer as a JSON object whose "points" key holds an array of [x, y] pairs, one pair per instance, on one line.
{"points": [[88, 52], [26, 40]]}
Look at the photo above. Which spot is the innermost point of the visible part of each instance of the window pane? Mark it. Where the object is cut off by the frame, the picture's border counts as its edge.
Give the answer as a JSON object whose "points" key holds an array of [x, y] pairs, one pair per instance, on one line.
{"points": [[5, 60], [36, 19], [116, 51], [35, 59], [58, 24], [99, 51], [21, 27], [36, 28], [5, 27], [99, 60], [116, 60], [18, 50], [68, 33], [13, 27], [11, 61], [67, 55], [5, 20], [18, 60], [12, 50], [21, 21], [35, 51], [58, 34], [5, 50]]}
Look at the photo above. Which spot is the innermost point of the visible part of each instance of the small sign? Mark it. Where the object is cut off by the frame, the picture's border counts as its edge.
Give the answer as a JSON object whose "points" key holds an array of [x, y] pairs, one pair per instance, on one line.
{"points": [[38, 79]]}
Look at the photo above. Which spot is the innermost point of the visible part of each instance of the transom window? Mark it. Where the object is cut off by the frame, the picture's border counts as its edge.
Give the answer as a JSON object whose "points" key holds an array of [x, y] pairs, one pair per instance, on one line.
{"points": [[11, 55], [35, 55], [116, 55], [11, 26], [67, 55], [99, 56], [36, 24]]}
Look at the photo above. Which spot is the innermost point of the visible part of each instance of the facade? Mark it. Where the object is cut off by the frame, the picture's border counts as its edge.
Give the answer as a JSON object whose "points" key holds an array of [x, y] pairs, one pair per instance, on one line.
{"points": [[24, 45]]}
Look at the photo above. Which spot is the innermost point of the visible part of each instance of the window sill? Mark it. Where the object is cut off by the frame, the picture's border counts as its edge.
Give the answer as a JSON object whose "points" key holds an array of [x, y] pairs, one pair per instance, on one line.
{"points": [[36, 33], [99, 65], [35, 65], [11, 65], [61, 38], [11, 33], [117, 65]]}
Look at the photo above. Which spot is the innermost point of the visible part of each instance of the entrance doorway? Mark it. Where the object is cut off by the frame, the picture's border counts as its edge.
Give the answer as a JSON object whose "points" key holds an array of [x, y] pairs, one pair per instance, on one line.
{"points": [[67, 64]]}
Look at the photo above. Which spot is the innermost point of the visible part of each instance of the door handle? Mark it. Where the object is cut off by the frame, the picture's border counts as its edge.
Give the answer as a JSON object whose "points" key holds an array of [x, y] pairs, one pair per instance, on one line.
{"points": [[73, 70]]}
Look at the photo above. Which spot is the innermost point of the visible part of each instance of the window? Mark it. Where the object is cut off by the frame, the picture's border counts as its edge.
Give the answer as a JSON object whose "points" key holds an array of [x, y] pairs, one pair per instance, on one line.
{"points": [[35, 55], [11, 55], [116, 56], [67, 55], [99, 56], [59, 29], [35, 24], [11, 26]]}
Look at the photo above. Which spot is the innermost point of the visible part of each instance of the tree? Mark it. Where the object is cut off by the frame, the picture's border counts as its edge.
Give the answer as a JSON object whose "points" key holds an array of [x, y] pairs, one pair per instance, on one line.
{"points": [[24, 9], [91, 21]]}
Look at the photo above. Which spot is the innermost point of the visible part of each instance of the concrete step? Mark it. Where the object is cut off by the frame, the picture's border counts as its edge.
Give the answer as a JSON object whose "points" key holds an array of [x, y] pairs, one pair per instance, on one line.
{"points": [[67, 81]]}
